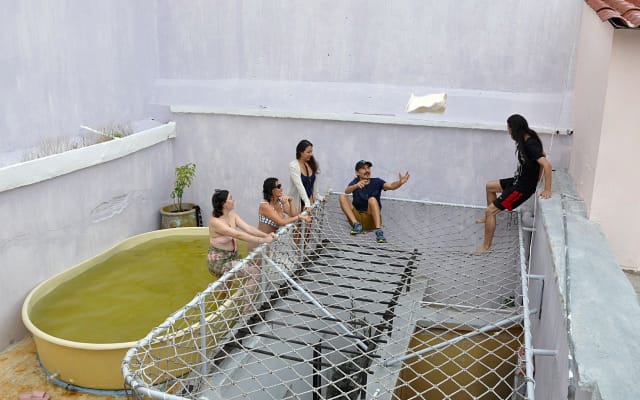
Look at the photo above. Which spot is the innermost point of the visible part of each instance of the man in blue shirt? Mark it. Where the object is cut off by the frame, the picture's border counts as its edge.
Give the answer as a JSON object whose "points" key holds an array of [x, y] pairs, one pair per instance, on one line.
{"points": [[363, 212]]}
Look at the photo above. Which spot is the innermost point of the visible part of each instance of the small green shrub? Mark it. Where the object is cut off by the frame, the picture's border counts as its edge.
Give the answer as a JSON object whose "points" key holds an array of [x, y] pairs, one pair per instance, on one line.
{"points": [[184, 178]]}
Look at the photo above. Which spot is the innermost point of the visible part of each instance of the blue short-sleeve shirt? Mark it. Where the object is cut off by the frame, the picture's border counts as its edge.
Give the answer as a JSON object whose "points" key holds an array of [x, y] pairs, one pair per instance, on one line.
{"points": [[361, 196]]}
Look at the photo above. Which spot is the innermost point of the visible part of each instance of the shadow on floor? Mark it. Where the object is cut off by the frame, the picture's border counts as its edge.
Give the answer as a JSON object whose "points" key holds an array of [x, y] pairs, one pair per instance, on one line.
{"points": [[634, 278]]}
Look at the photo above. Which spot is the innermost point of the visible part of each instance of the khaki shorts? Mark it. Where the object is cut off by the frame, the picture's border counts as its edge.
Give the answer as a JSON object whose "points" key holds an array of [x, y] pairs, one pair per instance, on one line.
{"points": [[365, 219]]}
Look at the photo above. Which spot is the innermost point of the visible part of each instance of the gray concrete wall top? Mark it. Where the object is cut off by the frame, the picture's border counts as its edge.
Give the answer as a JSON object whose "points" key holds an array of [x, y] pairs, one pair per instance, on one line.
{"points": [[603, 313]]}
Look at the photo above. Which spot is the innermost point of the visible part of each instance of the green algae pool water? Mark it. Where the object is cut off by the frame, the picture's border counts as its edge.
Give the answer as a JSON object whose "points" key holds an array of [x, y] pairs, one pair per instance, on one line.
{"points": [[127, 295]]}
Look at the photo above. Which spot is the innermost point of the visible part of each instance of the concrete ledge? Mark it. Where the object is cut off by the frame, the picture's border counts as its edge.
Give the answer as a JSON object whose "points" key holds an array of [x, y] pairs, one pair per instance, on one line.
{"points": [[358, 102], [602, 311], [40, 169]]}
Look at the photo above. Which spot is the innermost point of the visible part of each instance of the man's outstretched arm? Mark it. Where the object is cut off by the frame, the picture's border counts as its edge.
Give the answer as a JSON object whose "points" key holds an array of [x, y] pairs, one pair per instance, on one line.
{"points": [[402, 179]]}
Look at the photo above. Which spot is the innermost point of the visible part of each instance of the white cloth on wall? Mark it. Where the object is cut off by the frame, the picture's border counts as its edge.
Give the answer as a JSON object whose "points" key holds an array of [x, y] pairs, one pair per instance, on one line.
{"points": [[436, 102]]}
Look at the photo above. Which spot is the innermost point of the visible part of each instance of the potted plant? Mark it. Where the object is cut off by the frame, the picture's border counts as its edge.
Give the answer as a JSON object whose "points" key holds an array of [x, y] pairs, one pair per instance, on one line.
{"points": [[181, 214]]}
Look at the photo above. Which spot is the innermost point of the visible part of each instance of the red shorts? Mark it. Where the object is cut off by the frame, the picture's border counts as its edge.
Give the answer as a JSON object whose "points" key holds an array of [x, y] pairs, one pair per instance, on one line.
{"points": [[512, 195]]}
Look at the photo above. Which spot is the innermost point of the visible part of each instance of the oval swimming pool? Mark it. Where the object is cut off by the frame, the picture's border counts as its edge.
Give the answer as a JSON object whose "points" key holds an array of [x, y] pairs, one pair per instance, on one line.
{"points": [[85, 318]]}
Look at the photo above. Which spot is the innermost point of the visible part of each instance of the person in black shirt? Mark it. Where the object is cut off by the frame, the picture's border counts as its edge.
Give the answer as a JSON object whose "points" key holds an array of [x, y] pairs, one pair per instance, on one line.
{"points": [[532, 163]]}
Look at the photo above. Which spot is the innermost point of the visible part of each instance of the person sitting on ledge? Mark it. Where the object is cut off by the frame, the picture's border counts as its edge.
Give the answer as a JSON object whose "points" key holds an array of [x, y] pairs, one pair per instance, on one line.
{"points": [[532, 164]]}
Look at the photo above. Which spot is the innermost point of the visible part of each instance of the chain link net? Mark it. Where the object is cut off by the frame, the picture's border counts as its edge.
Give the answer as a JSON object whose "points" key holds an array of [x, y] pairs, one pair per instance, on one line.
{"points": [[344, 317]]}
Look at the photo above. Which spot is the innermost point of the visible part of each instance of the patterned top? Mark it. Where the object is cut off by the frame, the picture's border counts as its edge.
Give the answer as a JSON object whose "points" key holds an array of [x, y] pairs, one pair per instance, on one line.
{"points": [[268, 221]]}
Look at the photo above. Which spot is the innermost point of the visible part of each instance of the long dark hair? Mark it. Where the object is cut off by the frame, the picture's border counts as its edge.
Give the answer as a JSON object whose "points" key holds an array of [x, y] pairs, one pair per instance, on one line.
{"points": [[519, 129], [267, 188], [218, 199], [300, 148]]}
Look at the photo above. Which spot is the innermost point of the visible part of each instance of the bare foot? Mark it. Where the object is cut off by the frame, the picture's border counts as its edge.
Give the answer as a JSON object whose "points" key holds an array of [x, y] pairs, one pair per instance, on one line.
{"points": [[480, 221], [481, 250]]}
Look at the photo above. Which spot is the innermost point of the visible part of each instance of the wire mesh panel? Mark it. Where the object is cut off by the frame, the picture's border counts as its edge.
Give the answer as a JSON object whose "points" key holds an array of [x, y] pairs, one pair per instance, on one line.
{"points": [[338, 316]]}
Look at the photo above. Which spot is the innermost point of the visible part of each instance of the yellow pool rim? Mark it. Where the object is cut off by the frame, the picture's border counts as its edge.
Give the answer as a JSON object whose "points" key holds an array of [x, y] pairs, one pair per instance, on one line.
{"points": [[89, 365]]}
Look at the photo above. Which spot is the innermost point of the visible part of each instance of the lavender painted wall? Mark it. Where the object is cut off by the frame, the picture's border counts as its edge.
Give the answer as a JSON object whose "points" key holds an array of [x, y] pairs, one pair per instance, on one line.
{"points": [[514, 46], [446, 164], [69, 63], [56, 223], [549, 325], [65, 64], [73, 63]]}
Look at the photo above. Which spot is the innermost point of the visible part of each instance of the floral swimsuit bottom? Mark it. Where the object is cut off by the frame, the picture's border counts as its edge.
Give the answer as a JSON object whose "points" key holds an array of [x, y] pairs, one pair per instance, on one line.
{"points": [[220, 261]]}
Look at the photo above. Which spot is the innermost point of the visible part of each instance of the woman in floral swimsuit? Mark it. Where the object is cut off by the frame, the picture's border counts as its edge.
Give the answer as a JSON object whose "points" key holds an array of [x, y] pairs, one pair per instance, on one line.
{"points": [[223, 234]]}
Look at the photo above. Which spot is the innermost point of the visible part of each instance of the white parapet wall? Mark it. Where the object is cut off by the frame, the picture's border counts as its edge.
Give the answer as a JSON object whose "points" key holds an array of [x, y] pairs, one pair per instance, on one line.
{"points": [[40, 169]]}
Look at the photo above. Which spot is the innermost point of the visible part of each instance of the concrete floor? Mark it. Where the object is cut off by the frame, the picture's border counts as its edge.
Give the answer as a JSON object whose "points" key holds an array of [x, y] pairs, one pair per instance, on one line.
{"points": [[20, 373]]}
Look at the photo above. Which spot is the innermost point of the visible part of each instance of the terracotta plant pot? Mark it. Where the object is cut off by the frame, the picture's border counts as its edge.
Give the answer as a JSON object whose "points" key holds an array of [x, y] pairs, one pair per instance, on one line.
{"points": [[178, 219]]}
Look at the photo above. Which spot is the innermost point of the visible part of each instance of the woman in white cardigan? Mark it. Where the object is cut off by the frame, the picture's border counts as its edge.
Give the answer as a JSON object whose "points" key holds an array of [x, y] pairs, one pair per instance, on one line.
{"points": [[303, 174]]}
